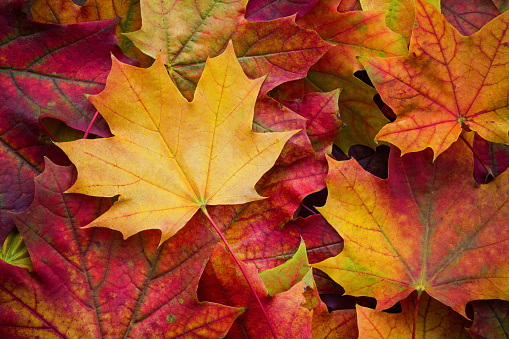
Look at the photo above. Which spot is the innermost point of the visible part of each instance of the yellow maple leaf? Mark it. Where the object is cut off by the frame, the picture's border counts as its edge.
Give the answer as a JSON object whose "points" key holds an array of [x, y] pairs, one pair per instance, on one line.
{"points": [[169, 157]]}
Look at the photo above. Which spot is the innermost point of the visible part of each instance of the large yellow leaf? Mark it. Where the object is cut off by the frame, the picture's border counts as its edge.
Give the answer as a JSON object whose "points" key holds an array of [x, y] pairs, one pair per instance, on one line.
{"points": [[168, 156]]}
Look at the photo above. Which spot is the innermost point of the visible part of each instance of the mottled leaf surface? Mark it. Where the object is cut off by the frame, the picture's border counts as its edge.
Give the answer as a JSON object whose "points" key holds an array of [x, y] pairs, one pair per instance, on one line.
{"points": [[92, 284], [279, 49], [271, 116], [349, 5], [446, 82], [400, 14], [336, 324], [502, 5], [428, 227], [281, 278], [434, 320], [259, 231], [491, 319], [183, 32]]}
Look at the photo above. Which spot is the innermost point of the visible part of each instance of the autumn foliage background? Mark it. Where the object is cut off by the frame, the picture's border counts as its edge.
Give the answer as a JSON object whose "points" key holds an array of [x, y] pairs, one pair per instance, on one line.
{"points": [[397, 121]]}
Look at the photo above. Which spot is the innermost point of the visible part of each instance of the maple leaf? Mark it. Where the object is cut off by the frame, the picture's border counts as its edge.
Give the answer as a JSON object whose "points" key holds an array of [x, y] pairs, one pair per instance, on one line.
{"points": [[283, 277], [429, 227], [279, 48], [322, 242], [183, 31], [400, 13], [491, 319], [169, 157], [66, 12], [446, 82], [434, 320], [353, 34], [44, 72], [336, 324], [90, 283]]}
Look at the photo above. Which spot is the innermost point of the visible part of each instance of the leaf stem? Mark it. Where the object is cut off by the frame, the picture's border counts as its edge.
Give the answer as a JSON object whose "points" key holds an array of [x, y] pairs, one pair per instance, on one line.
{"points": [[487, 168], [308, 209], [416, 312], [90, 124], [204, 210]]}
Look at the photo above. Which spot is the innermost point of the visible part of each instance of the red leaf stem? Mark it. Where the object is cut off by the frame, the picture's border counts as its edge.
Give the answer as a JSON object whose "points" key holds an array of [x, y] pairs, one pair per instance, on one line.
{"points": [[416, 313], [90, 124]]}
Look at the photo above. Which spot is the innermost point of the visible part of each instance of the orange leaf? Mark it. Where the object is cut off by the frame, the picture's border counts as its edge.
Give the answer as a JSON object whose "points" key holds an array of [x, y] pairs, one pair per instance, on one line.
{"points": [[447, 82], [169, 157], [434, 320], [429, 227]]}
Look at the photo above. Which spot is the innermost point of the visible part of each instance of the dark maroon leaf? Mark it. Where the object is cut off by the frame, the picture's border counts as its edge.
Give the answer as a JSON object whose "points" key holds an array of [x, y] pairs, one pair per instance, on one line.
{"points": [[45, 71], [260, 10], [469, 16], [90, 283]]}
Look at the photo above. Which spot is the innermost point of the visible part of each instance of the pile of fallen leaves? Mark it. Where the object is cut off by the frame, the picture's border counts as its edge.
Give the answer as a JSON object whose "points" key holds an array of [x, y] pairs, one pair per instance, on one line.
{"points": [[139, 137]]}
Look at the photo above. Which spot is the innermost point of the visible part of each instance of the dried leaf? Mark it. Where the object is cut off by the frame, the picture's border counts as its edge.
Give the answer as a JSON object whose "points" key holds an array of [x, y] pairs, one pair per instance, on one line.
{"points": [[400, 14], [337, 324], [14, 251], [322, 112]]}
